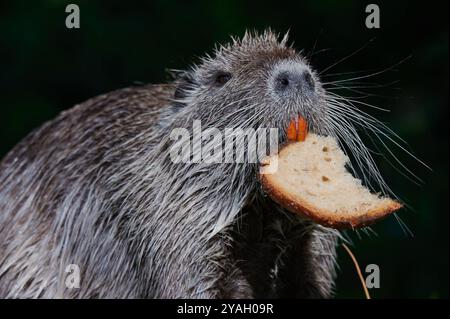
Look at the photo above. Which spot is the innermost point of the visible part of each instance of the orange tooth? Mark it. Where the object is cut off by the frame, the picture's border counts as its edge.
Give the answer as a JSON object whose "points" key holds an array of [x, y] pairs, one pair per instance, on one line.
{"points": [[292, 131], [302, 129], [297, 130]]}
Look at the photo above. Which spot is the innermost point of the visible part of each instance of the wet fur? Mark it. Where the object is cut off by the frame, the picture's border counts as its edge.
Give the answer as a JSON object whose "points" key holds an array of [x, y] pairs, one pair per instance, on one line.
{"points": [[96, 187]]}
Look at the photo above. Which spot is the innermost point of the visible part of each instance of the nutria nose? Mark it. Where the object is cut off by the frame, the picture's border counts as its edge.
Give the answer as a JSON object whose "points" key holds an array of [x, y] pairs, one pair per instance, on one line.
{"points": [[294, 81]]}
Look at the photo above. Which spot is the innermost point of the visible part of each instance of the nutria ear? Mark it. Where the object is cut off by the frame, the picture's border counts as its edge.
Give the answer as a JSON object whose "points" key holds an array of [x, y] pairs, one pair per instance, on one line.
{"points": [[185, 82]]}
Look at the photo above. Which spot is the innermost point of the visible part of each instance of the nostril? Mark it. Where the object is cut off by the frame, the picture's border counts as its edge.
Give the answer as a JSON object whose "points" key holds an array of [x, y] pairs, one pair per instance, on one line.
{"points": [[309, 81], [288, 82], [282, 81]]}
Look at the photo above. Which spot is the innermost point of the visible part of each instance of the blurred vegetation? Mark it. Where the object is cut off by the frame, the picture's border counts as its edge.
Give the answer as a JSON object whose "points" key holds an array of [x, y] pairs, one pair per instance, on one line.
{"points": [[46, 68]]}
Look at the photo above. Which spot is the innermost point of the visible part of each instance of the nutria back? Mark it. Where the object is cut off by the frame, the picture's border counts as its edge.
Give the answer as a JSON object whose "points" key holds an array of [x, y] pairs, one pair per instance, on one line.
{"points": [[82, 147]]}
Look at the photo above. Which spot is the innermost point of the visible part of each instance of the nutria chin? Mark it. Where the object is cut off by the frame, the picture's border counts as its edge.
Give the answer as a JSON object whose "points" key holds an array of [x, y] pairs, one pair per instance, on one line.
{"points": [[96, 187]]}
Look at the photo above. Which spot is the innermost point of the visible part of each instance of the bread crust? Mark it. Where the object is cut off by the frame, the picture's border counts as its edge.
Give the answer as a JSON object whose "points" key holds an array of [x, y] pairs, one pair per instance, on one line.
{"points": [[325, 218]]}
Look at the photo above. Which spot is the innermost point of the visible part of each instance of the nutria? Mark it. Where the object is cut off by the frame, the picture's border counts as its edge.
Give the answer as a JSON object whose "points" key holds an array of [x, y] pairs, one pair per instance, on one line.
{"points": [[96, 187]]}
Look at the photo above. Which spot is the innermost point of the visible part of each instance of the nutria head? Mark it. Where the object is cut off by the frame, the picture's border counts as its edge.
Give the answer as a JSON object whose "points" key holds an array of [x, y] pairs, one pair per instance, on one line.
{"points": [[258, 81]]}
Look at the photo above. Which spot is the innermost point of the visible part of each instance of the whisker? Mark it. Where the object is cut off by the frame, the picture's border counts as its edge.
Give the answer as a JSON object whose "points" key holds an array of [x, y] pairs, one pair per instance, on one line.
{"points": [[403, 226], [358, 102], [347, 57], [345, 73], [375, 73]]}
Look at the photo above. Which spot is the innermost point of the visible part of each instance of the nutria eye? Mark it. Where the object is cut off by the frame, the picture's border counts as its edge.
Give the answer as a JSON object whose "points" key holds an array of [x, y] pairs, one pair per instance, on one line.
{"points": [[222, 78]]}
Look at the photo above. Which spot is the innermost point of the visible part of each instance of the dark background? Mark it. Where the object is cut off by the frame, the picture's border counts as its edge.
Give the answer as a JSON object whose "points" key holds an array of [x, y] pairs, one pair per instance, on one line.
{"points": [[46, 68]]}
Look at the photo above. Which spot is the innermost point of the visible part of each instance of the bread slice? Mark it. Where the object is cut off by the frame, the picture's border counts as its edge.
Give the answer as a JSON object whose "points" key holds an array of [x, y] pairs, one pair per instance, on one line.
{"points": [[311, 179]]}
